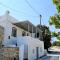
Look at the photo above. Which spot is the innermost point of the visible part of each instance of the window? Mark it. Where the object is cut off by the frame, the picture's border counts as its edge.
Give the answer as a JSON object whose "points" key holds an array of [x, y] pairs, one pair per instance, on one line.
{"points": [[37, 35], [14, 32], [33, 51], [23, 33], [41, 49], [27, 34]]}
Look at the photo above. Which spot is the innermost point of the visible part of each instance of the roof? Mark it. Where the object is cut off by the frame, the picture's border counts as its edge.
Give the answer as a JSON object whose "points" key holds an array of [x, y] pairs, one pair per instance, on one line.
{"points": [[24, 25]]}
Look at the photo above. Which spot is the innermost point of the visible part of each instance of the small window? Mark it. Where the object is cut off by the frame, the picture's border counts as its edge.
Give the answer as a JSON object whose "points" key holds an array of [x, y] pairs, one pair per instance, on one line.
{"points": [[8, 37], [41, 49], [37, 35], [14, 32], [27, 34], [33, 51], [23, 33], [14, 58]]}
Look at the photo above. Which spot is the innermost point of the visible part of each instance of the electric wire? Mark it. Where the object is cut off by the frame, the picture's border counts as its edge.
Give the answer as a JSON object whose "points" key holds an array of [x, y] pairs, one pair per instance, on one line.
{"points": [[16, 10], [32, 7]]}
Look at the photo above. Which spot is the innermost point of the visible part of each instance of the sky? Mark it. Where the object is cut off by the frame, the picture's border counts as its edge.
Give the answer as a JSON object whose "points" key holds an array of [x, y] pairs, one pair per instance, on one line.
{"points": [[22, 11]]}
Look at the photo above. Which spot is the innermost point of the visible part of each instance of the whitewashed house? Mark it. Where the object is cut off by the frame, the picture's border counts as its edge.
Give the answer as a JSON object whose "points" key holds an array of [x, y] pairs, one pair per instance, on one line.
{"points": [[33, 48], [23, 35]]}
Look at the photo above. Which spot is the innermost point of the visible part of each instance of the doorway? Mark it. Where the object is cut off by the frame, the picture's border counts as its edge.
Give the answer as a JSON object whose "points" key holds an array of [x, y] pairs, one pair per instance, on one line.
{"points": [[26, 52], [37, 52]]}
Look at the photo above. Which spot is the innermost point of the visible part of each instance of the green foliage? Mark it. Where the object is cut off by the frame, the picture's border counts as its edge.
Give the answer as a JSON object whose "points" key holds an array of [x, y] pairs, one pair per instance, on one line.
{"points": [[46, 36], [50, 22], [56, 1], [58, 37], [44, 29], [55, 19], [58, 33], [54, 34], [56, 43], [58, 8]]}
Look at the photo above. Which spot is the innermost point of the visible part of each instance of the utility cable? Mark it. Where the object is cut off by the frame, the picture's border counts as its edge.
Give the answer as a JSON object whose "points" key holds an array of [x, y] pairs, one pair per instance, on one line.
{"points": [[15, 10]]}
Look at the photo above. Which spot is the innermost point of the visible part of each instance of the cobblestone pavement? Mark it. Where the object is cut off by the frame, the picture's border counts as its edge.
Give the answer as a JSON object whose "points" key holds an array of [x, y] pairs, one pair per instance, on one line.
{"points": [[49, 58]]}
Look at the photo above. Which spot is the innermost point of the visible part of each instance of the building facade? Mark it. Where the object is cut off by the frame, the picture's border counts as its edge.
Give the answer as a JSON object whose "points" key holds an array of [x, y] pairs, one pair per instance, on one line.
{"points": [[12, 28]]}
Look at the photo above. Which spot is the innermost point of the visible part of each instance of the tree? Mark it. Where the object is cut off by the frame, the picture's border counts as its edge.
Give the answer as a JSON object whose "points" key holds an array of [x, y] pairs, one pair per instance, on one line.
{"points": [[46, 35], [55, 19], [56, 43]]}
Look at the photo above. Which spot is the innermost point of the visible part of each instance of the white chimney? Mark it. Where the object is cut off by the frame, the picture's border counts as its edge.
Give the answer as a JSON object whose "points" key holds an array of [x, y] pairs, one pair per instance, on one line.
{"points": [[7, 15], [7, 12]]}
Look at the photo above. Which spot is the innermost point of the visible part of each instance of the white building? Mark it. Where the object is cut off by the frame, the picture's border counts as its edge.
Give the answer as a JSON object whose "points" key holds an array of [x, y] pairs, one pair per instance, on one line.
{"points": [[9, 24], [14, 28], [33, 48]]}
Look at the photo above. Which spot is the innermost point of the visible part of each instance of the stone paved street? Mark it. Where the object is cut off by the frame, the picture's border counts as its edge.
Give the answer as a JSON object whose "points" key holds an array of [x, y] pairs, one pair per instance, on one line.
{"points": [[49, 58]]}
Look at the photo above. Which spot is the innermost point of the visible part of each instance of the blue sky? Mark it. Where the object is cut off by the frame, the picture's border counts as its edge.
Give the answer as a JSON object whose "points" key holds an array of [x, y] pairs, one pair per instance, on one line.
{"points": [[21, 10]]}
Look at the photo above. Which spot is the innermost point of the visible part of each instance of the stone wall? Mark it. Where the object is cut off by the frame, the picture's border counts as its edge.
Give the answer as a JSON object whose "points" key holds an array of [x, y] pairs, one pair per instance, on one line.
{"points": [[1, 35], [9, 53]]}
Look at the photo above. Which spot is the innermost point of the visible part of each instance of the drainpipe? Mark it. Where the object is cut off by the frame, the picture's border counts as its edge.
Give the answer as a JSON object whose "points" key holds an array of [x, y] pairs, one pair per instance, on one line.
{"points": [[7, 19], [36, 32], [28, 29], [32, 31], [40, 35], [7, 12]]}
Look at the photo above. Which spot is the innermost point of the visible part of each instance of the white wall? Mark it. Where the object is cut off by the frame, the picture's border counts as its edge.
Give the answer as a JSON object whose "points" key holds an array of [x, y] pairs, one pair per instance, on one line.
{"points": [[6, 22], [32, 49], [32, 44], [31, 52], [21, 52]]}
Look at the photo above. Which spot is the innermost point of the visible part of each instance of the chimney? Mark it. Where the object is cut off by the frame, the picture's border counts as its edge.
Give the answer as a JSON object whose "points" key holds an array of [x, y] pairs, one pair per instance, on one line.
{"points": [[7, 12], [7, 15]]}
